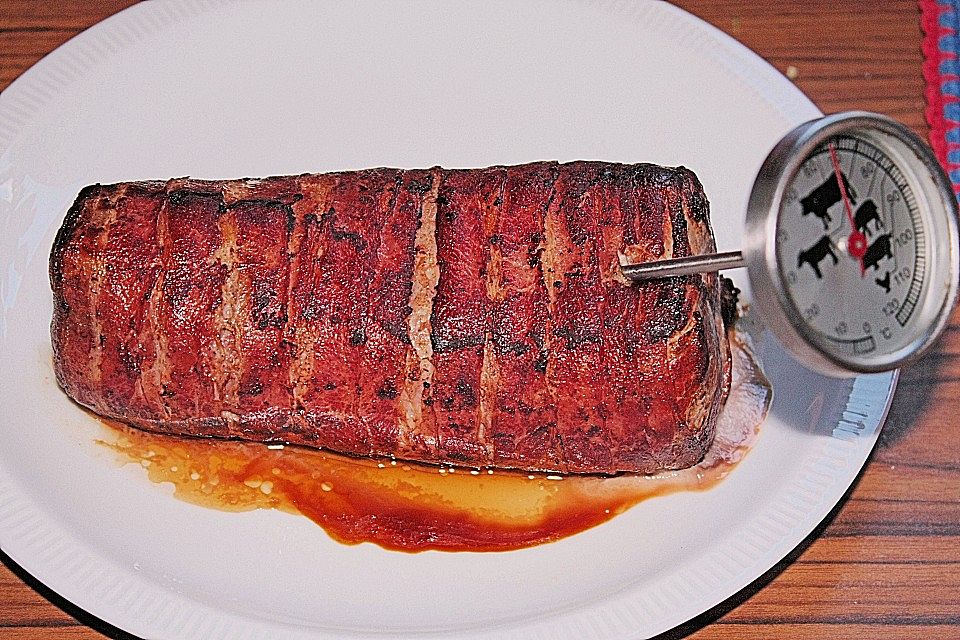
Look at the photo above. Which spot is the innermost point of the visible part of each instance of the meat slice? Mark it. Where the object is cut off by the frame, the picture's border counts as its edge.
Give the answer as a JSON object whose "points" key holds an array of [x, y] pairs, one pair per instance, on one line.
{"points": [[467, 210], [577, 306], [476, 317], [522, 418], [383, 360], [253, 326]]}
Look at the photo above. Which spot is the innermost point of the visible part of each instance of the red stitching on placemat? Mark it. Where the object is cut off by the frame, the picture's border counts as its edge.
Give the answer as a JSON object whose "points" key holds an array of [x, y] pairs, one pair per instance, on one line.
{"points": [[930, 14]]}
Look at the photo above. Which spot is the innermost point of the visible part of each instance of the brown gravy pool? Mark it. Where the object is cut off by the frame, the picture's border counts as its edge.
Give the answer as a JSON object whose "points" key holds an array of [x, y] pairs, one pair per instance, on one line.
{"points": [[413, 507]]}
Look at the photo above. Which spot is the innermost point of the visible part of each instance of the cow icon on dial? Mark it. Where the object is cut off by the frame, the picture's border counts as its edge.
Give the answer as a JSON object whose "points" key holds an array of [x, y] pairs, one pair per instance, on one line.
{"points": [[820, 200], [816, 253], [867, 213]]}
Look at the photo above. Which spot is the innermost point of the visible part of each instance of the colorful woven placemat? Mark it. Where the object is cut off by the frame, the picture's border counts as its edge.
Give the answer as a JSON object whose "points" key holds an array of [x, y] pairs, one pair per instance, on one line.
{"points": [[941, 69]]}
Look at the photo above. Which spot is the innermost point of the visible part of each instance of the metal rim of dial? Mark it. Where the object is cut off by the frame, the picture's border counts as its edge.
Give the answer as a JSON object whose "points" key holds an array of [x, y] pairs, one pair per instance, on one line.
{"points": [[938, 207]]}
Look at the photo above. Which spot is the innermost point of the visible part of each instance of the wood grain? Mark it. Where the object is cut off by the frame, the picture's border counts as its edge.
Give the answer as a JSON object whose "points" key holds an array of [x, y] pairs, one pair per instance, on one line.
{"points": [[886, 563]]}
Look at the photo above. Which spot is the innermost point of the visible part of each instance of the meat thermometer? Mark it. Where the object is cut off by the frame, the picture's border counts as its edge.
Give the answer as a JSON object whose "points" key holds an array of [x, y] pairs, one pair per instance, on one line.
{"points": [[851, 245]]}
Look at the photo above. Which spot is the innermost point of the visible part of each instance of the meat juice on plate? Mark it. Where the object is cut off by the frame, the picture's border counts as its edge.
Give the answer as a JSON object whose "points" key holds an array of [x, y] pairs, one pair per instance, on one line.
{"points": [[415, 507]]}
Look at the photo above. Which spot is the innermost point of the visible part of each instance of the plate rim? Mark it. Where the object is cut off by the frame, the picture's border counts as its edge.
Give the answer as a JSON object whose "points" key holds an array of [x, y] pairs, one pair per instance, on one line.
{"points": [[21, 524]]}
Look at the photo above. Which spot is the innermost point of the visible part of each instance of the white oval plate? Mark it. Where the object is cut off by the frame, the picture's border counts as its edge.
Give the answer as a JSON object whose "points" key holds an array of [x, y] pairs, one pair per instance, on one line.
{"points": [[219, 90]]}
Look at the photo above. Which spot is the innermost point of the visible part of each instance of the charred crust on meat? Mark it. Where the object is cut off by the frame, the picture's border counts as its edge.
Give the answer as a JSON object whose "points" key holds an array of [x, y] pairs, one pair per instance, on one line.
{"points": [[291, 220], [144, 189], [358, 336], [352, 237], [576, 336], [608, 173], [681, 239], [540, 364], [398, 329], [181, 197], [444, 344], [251, 388], [729, 297], [65, 234], [630, 207], [261, 299], [420, 187], [311, 312], [289, 346], [387, 390], [697, 202], [503, 346], [525, 409], [263, 210], [534, 250], [671, 309], [465, 396], [572, 213], [271, 321]]}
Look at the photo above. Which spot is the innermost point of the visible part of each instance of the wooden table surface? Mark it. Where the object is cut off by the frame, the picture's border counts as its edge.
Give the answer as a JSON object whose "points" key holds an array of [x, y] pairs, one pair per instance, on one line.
{"points": [[886, 563]]}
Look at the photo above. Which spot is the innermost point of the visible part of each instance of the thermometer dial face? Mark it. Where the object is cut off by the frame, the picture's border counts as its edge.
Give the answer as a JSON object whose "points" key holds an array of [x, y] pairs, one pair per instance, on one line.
{"points": [[851, 243]]}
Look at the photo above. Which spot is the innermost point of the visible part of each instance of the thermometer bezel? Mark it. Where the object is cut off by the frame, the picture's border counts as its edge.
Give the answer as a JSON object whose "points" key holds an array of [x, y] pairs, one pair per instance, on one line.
{"points": [[778, 172]]}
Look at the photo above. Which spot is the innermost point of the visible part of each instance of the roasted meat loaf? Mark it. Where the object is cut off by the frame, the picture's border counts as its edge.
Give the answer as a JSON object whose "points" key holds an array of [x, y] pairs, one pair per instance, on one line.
{"points": [[475, 317]]}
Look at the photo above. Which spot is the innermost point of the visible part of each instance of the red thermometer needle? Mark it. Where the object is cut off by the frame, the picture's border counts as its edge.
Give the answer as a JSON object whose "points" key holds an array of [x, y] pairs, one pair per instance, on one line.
{"points": [[857, 241]]}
